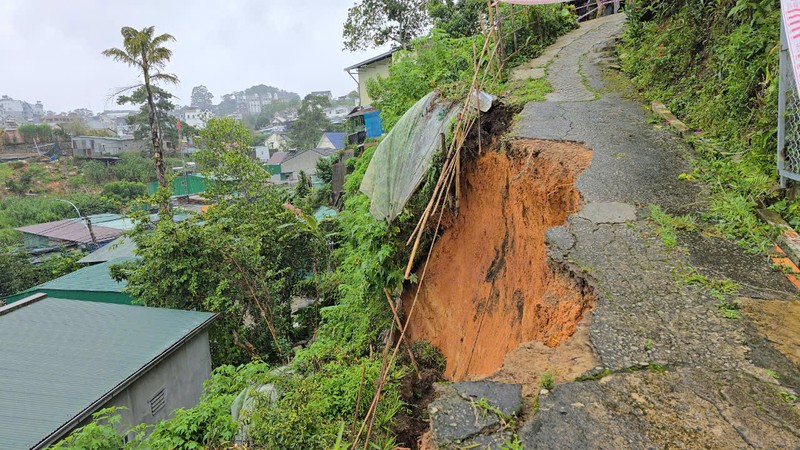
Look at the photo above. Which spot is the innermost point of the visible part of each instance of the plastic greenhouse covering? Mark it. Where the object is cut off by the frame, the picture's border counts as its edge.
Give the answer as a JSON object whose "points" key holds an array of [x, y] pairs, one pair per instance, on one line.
{"points": [[403, 157]]}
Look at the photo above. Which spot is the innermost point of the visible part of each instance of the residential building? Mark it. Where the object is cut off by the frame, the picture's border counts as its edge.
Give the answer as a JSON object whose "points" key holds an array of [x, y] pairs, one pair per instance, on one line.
{"points": [[104, 147], [303, 162], [367, 70], [10, 127], [331, 140], [18, 109], [64, 360], [121, 247], [337, 114], [90, 283], [74, 232], [274, 165], [195, 117], [262, 153], [277, 141]]}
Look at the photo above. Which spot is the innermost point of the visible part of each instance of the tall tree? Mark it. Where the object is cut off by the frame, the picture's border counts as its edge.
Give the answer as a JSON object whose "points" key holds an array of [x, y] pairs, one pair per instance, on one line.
{"points": [[311, 122], [146, 52], [201, 98], [141, 120], [372, 23]]}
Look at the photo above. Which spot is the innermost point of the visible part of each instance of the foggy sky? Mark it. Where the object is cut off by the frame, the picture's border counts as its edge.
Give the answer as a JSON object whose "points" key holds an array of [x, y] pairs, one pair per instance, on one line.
{"points": [[51, 48]]}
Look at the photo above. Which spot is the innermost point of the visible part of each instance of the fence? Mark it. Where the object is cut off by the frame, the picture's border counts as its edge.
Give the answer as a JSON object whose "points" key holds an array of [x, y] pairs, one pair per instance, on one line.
{"points": [[510, 24], [788, 117]]}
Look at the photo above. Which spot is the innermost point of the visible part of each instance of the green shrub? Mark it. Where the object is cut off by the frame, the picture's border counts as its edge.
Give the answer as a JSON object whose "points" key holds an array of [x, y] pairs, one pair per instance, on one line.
{"points": [[716, 66]]}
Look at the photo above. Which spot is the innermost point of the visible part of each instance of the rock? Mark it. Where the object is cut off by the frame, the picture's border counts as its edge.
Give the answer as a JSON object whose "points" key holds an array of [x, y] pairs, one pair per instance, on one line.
{"points": [[456, 418]]}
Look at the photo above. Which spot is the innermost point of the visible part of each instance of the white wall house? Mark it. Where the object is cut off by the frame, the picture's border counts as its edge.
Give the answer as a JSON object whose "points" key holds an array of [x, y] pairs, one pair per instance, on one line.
{"points": [[196, 117]]}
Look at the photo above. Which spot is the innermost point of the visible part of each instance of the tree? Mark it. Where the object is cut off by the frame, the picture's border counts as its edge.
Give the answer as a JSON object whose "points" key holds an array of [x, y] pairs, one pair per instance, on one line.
{"points": [[201, 98], [244, 258], [457, 19], [141, 120], [147, 53], [372, 23], [311, 122]]}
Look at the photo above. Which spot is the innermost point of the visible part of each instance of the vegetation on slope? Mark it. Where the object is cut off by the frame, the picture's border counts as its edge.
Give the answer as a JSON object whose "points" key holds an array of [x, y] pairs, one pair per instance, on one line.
{"points": [[716, 65], [260, 245]]}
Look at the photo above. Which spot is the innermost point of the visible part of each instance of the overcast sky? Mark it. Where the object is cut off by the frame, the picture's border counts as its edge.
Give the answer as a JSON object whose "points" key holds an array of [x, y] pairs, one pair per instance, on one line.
{"points": [[51, 49]]}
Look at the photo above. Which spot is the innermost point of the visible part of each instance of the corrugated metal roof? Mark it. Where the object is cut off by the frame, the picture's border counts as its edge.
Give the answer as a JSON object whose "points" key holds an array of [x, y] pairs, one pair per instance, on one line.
{"points": [[90, 279], [61, 356], [73, 230], [121, 247]]}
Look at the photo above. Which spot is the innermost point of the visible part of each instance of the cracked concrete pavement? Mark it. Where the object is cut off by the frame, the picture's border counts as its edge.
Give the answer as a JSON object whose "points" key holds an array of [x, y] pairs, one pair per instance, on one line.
{"points": [[674, 372]]}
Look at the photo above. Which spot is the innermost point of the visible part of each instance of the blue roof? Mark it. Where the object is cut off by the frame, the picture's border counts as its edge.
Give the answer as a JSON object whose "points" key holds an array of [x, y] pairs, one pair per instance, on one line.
{"points": [[337, 139], [62, 358]]}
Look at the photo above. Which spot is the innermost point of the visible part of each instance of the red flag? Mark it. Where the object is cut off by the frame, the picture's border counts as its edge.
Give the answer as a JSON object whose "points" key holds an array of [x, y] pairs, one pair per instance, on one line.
{"points": [[179, 125]]}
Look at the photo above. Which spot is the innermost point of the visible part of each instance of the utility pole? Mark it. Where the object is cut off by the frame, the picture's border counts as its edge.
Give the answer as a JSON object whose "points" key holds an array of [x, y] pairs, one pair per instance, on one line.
{"points": [[86, 220]]}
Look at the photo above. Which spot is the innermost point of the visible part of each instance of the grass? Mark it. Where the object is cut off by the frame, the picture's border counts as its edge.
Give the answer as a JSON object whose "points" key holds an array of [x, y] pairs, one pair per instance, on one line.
{"points": [[530, 90], [721, 290], [483, 404], [669, 225], [602, 374]]}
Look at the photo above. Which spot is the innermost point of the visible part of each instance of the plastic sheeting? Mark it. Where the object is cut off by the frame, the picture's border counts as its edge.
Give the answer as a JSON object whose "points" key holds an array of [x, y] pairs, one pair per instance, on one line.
{"points": [[405, 154]]}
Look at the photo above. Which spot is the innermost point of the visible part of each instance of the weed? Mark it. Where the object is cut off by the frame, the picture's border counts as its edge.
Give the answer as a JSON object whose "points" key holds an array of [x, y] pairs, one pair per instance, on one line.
{"points": [[719, 289], [483, 404], [530, 90], [602, 374], [669, 225], [648, 345], [547, 380], [512, 444], [773, 374], [788, 398]]}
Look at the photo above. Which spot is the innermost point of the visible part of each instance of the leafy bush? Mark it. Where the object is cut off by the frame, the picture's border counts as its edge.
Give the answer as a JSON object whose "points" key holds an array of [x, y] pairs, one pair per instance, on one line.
{"points": [[134, 167], [95, 171], [122, 192], [444, 58]]}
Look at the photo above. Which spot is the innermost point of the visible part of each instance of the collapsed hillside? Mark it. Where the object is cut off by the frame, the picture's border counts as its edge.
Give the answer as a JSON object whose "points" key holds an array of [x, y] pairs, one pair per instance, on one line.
{"points": [[489, 286]]}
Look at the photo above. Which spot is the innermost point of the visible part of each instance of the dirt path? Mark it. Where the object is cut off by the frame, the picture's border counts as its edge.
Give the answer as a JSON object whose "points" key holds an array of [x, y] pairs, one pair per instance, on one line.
{"points": [[671, 371]]}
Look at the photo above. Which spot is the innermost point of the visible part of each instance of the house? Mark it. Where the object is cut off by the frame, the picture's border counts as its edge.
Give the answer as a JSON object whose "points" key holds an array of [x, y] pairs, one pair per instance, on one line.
{"points": [[303, 162], [332, 140], [10, 127], [74, 232], [104, 147], [274, 165], [326, 94], [195, 117], [367, 70], [336, 114], [90, 283], [262, 153], [277, 141], [121, 247], [64, 360]]}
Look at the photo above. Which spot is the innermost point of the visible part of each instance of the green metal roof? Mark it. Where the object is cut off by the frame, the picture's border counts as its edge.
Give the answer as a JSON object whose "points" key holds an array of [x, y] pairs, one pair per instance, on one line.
{"points": [[62, 359], [121, 247], [91, 283]]}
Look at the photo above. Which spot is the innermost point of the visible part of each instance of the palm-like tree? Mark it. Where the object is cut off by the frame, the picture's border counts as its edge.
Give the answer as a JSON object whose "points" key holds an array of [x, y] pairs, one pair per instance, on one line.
{"points": [[148, 54]]}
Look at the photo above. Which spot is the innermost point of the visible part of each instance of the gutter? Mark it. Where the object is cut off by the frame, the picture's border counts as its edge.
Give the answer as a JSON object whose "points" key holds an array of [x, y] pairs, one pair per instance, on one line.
{"points": [[64, 429]]}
